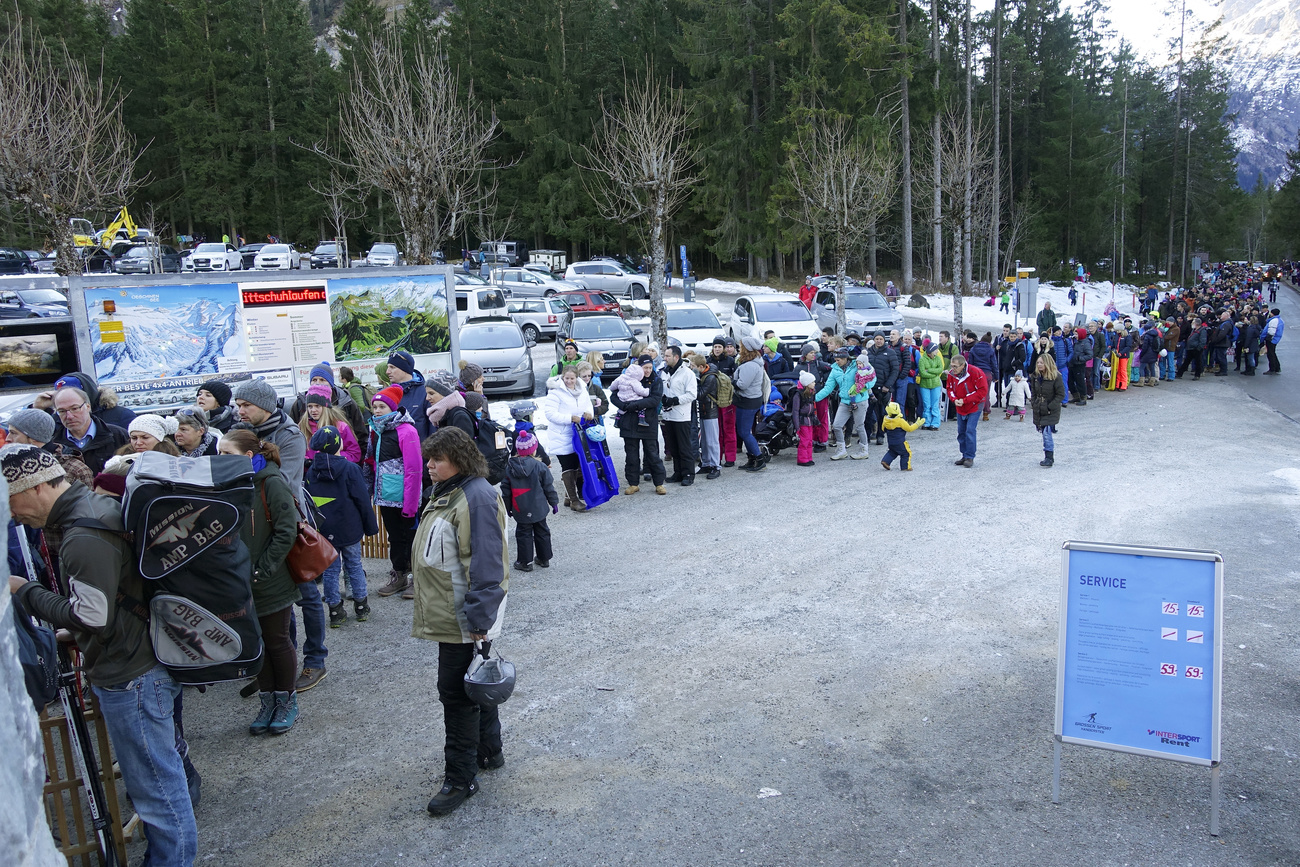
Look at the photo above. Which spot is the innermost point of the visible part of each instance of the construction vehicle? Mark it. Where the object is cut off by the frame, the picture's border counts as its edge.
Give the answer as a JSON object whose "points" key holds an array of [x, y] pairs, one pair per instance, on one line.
{"points": [[123, 228]]}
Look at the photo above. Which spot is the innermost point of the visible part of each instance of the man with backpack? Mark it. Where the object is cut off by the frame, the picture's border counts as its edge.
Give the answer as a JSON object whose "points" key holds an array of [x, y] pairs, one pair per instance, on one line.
{"points": [[134, 692]]}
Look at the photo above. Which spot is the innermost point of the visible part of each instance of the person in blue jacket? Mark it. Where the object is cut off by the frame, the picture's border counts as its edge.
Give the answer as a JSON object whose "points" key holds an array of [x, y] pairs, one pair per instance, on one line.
{"points": [[339, 491], [853, 378]]}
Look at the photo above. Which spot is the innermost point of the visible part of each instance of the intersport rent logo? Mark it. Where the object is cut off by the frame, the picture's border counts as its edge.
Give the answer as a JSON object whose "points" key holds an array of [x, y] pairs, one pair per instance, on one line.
{"points": [[1173, 739]]}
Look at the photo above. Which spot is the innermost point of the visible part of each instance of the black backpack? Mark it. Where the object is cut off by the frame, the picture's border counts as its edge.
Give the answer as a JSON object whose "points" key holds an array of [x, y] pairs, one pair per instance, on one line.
{"points": [[38, 654], [182, 516], [491, 440]]}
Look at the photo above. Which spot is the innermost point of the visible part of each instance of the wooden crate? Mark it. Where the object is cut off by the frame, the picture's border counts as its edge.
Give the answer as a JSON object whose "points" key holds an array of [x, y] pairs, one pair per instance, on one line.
{"points": [[64, 794]]}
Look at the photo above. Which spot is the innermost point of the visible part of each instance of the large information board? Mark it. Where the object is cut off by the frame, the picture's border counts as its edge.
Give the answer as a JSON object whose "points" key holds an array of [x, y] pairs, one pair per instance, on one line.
{"points": [[1140, 649]]}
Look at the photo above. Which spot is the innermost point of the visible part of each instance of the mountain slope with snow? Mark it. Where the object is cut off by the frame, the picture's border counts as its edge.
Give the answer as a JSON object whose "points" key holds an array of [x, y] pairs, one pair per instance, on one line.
{"points": [[1265, 74]]}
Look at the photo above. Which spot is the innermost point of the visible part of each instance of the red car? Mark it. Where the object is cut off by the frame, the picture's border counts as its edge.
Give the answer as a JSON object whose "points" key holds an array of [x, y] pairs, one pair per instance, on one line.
{"points": [[592, 301]]}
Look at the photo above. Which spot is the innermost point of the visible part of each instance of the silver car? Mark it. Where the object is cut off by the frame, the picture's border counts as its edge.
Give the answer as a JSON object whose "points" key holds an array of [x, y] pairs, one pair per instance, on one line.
{"points": [[865, 310], [524, 283], [539, 317], [497, 345], [609, 276]]}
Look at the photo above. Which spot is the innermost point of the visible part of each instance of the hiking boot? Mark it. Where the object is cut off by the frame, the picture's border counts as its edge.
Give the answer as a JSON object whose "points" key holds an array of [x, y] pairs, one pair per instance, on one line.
{"points": [[632, 489], [493, 762], [545, 564], [661, 490], [450, 797], [308, 679], [409, 592], [286, 712], [361, 608], [968, 462], [859, 454], [714, 473], [674, 478], [819, 447], [688, 481], [259, 725], [521, 567], [959, 462], [752, 465], [396, 583], [884, 464], [840, 453], [1048, 459], [338, 615]]}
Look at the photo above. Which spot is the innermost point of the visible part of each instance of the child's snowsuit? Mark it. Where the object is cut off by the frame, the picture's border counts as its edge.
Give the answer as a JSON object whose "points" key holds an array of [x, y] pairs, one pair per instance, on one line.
{"points": [[529, 493], [896, 430]]}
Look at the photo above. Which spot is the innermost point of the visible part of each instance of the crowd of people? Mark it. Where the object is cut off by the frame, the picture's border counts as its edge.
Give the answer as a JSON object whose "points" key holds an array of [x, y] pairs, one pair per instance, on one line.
{"points": [[425, 454]]}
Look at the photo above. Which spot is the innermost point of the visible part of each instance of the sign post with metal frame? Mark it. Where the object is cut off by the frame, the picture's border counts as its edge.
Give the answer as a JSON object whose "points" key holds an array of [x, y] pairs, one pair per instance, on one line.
{"points": [[1140, 654]]}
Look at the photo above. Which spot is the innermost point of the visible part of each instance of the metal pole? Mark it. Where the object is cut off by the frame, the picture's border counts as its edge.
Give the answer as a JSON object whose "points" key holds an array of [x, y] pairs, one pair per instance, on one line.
{"points": [[1056, 773], [1214, 801]]}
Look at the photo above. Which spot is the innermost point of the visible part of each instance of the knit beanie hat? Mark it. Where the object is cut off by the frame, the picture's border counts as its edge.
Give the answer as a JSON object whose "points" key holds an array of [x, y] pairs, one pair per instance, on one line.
{"points": [[154, 425], [321, 394], [324, 371], [1080, 333], [773, 344], [219, 391], [112, 483], [403, 360], [470, 373], [806, 379], [807, 348], [753, 344], [475, 402], [327, 440], [27, 466], [35, 423], [381, 373], [893, 410], [441, 382], [258, 392], [391, 396], [525, 444]]}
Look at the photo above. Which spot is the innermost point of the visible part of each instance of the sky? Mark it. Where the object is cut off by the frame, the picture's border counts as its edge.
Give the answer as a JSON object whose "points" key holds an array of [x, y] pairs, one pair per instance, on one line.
{"points": [[1144, 22]]}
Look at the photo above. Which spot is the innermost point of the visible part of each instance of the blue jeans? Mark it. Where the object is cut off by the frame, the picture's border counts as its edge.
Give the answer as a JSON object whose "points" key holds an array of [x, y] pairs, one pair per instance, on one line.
{"points": [[930, 406], [745, 430], [966, 425], [1167, 365], [349, 563], [900, 391], [138, 715], [313, 623], [1049, 444]]}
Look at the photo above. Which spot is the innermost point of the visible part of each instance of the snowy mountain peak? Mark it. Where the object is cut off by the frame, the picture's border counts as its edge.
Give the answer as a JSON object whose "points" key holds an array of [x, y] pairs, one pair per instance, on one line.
{"points": [[1265, 74]]}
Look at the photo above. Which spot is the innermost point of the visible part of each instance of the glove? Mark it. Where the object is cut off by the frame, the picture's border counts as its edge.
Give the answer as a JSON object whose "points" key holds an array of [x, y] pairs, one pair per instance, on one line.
{"points": [[555, 510], [670, 402]]}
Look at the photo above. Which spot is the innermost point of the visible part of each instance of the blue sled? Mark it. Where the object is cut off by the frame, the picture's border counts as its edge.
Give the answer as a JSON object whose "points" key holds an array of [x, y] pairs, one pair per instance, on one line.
{"points": [[599, 480]]}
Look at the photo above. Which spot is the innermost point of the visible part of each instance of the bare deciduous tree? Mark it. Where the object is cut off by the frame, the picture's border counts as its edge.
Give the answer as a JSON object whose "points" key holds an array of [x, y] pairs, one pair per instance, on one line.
{"points": [[342, 203], [640, 161], [64, 150], [407, 131], [845, 185], [966, 160]]}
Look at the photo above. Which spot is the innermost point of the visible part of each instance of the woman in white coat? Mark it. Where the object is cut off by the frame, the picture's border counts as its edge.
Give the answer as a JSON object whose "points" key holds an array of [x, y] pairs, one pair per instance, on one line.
{"points": [[565, 404]]}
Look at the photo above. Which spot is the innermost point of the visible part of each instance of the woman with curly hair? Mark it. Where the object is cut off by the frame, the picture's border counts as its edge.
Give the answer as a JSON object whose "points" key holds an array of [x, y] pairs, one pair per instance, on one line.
{"points": [[458, 560]]}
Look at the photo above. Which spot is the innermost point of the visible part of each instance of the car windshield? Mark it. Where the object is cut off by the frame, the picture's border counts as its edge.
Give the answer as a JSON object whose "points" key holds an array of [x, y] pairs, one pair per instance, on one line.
{"points": [[41, 296], [781, 311], [385, 249], [490, 337], [326, 248], [864, 301], [210, 248], [275, 249], [600, 328], [141, 252], [470, 280], [693, 317]]}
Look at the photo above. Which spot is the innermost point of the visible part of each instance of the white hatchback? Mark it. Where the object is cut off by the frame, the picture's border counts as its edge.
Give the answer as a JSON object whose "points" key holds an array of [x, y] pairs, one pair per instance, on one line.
{"points": [[755, 315], [277, 257]]}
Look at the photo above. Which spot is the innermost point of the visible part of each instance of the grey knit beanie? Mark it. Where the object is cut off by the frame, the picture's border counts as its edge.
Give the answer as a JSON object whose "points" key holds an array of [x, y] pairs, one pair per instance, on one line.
{"points": [[259, 393]]}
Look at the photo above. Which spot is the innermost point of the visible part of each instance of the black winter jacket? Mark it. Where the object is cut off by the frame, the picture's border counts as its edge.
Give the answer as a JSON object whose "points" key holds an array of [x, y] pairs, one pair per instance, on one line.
{"points": [[628, 425], [886, 364], [528, 490], [338, 488]]}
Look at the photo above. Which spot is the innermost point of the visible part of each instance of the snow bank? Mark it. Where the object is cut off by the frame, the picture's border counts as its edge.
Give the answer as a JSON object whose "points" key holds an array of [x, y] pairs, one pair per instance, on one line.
{"points": [[730, 287]]}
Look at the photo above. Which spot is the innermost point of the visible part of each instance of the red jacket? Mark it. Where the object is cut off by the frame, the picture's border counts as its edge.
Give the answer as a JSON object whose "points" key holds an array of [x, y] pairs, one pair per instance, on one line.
{"points": [[806, 295], [972, 389]]}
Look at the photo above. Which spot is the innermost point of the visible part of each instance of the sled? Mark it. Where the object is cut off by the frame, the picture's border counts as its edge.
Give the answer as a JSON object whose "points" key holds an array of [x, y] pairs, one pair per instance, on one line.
{"points": [[599, 480], [1113, 372]]}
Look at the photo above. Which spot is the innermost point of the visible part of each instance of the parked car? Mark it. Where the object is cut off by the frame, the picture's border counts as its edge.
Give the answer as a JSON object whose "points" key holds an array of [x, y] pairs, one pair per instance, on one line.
{"points": [[509, 253], [479, 302], [524, 283], [539, 317], [383, 255], [277, 257], [754, 315], [591, 301], [248, 255], [214, 256], [32, 303], [605, 332], [498, 345], [45, 264], [149, 259], [609, 276], [865, 310], [14, 261], [326, 255], [33, 256], [693, 323]]}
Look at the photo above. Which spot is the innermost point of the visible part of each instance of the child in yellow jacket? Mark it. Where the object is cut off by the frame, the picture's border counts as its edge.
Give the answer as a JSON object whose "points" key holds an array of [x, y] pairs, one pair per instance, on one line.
{"points": [[896, 431]]}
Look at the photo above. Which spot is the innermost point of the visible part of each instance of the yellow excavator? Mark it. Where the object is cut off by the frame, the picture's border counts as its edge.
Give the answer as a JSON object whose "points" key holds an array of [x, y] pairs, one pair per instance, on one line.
{"points": [[123, 228]]}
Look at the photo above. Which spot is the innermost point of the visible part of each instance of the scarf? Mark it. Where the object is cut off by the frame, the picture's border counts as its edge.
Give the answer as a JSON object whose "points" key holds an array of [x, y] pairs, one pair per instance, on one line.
{"points": [[381, 424], [446, 487], [199, 450], [259, 463]]}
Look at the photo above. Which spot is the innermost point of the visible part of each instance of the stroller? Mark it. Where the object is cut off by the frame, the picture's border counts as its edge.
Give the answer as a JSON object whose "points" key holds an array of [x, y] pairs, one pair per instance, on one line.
{"points": [[775, 427]]}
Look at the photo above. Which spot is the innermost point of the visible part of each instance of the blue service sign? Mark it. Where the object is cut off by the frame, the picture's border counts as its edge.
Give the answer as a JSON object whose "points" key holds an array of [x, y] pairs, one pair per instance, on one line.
{"points": [[1139, 650]]}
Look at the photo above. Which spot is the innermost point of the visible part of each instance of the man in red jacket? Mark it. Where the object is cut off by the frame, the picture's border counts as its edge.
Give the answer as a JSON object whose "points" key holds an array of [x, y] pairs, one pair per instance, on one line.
{"points": [[968, 387]]}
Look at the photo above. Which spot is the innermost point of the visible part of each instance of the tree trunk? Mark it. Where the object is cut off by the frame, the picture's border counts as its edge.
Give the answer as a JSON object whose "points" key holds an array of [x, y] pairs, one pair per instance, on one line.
{"points": [[995, 229], [970, 156], [906, 156], [936, 216], [841, 275], [957, 248], [658, 313], [817, 250]]}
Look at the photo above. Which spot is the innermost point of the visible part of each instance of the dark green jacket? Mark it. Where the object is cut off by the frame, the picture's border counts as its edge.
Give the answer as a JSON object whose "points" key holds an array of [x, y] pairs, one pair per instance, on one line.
{"points": [[274, 527]]}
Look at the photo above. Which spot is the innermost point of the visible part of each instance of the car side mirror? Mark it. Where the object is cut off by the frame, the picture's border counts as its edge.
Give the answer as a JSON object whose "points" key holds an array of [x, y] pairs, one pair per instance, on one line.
{"points": [[530, 342], [829, 305], [638, 331]]}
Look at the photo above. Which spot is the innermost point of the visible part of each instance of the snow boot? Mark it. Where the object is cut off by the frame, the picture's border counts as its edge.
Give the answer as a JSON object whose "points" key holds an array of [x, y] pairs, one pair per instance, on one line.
{"points": [[1048, 459], [361, 608], [338, 615], [259, 725], [860, 453], [285, 713], [572, 486], [840, 452]]}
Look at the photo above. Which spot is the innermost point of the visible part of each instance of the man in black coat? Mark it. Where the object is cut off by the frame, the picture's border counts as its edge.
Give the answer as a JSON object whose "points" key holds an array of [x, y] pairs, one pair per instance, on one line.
{"points": [[1220, 340], [638, 439], [83, 435]]}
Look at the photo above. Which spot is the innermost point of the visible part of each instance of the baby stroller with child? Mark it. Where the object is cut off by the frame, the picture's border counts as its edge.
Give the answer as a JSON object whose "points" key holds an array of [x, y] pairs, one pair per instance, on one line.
{"points": [[775, 427]]}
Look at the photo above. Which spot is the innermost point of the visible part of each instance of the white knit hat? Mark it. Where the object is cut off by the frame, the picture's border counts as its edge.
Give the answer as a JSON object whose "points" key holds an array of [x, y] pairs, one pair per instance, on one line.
{"points": [[154, 425]]}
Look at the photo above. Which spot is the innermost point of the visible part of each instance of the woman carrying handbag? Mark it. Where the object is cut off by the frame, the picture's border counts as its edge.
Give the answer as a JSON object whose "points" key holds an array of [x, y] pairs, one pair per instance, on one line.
{"points": [[269, 536]]}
